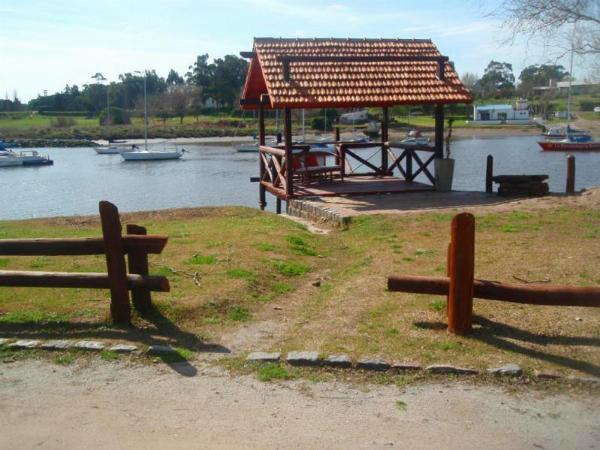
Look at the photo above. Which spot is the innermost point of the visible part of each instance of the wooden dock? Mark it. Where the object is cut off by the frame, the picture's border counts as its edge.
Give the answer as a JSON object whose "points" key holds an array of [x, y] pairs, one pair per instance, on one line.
{"points": [[360, 185]]}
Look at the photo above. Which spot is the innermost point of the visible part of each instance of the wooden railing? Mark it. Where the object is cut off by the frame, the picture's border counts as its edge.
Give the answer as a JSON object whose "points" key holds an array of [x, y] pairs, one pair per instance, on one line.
{"points": [[408, 158], [460, 287], [136, 245]]}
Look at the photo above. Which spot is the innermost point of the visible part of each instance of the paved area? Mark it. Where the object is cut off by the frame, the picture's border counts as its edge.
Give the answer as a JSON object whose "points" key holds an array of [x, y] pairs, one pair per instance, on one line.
{"points": [[124, 405]]}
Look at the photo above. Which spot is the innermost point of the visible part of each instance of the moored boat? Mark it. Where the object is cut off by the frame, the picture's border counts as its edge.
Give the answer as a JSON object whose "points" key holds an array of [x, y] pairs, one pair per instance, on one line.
{"points": [[152, 155], [109, 150], [567, 145]]}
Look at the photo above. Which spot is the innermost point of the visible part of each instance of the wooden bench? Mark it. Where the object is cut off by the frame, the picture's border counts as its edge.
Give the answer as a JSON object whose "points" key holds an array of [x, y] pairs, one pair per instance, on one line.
{"points": [[521, 185], [136, 245]]}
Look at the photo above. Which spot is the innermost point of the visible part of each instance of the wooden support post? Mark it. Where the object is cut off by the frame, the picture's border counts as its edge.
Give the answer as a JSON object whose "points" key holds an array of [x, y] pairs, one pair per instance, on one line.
{"points": [[278, 205], [337, 133], [570, 174], [439, 131], [461, 268], [262, 200], [289, 172], [409, 165], [385, 138], [489, 174], [138, 264], [115, 263]]}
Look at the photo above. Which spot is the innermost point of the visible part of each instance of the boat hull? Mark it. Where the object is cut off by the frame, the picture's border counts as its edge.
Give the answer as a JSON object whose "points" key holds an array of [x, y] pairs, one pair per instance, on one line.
{"points": [[150, 156], [549, 146], [109, 150]]}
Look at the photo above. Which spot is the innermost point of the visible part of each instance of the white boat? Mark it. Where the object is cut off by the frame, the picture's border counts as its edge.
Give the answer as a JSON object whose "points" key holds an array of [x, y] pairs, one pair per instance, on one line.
{"points": [[109, 150], [9, 158], [414, 137], [151, 155], [33, 158]]}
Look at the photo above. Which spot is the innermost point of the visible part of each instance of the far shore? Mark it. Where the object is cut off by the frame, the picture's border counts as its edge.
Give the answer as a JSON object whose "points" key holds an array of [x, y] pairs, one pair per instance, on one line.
{"points": [[460, 133]]}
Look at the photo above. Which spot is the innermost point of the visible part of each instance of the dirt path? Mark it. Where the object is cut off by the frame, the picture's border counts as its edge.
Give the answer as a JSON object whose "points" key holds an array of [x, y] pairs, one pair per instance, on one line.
{"points": [[126, 405]]}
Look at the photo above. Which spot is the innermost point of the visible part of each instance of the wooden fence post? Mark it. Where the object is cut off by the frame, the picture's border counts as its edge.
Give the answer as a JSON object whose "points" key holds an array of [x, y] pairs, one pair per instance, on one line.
{"points": [[138, 263], [489, 174], [115, 263], [570, 174], [461, 268]]}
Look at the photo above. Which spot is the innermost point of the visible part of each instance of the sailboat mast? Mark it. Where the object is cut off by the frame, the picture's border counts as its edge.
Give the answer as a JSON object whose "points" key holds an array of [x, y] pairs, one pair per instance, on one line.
{"points": [[145, 116], [569, 96]]}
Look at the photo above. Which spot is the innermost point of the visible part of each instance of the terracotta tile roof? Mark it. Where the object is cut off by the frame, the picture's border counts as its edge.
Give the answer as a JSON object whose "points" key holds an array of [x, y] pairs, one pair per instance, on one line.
{"points": [[331, 76]]}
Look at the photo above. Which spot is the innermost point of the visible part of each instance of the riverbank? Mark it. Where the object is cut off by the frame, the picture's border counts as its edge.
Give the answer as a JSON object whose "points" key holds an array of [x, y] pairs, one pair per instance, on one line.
{"points": [[248, 280]]}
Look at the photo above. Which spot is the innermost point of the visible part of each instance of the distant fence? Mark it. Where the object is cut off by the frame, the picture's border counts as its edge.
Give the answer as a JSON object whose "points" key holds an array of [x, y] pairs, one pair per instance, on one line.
{"points": [[136, 244], [460, 286]]}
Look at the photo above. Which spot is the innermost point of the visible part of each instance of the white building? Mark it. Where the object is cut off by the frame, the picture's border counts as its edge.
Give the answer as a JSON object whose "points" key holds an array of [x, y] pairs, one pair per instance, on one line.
{"points": [[496, 114]]}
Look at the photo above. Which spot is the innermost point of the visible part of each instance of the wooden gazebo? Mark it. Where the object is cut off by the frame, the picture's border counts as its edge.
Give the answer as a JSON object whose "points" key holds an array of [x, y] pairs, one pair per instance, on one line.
{"points": [[286, 74]]}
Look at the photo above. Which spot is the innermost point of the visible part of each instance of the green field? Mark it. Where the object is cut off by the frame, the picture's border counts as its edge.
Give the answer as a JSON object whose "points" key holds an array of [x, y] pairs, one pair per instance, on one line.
{"points": [[233, 269]]}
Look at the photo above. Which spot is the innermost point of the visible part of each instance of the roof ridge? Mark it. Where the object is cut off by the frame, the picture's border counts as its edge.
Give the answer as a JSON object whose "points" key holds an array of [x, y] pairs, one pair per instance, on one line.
{"points": [[333, 39]]}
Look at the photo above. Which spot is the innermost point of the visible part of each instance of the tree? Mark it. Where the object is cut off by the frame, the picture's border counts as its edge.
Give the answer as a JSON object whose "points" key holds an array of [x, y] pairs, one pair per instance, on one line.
{"points": [[179, 99], [174, 78], [469, 79], [201, 75], [497, 81], [539, 75], [228, 79], [558, 23]]}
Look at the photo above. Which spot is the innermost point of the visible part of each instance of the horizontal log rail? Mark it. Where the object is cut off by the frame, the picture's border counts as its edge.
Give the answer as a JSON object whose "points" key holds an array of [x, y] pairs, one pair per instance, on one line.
{"points": [[505, 292], [136, 245], [85, 280], [461, 287], [78, 246]]}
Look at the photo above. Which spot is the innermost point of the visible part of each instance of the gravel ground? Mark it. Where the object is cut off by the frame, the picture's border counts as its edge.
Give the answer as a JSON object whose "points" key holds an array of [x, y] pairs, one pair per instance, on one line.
{"points": [[96, 404]]}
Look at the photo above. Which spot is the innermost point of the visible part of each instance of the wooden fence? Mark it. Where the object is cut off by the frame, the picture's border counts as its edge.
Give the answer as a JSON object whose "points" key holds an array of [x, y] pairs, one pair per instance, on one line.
{"points": [[460, 286], [135, 244]]}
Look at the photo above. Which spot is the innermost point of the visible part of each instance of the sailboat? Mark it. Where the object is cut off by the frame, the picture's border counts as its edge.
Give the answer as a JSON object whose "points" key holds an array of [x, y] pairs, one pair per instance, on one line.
{"points": [[137, 154], [575, 140]]}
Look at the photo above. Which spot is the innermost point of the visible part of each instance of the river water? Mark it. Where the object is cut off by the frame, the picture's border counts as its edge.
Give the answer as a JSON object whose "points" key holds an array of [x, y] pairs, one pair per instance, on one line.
{"points": [[211, 175]]}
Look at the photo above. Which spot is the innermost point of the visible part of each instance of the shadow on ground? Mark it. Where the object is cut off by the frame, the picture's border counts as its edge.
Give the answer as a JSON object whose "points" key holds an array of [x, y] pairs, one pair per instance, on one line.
{"points": [[158, 330], [515, 340]]}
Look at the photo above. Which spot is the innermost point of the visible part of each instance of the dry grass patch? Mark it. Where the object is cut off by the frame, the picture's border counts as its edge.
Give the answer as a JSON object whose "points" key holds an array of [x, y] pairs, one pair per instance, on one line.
{"points": [[257, 269]]}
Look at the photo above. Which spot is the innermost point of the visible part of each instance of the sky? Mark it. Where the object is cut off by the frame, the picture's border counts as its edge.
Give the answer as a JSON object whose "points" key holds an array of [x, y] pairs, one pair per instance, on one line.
{"points": [[45, 45]]}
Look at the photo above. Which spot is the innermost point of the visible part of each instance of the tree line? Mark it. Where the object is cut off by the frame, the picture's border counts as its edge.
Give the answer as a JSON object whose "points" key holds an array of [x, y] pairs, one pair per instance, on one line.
{"points": [[217, 84], [498, 80]]}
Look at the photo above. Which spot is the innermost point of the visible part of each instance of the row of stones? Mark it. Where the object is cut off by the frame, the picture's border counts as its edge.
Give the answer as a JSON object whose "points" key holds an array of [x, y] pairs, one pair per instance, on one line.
{"points": [[313, 359], [26, 344]]}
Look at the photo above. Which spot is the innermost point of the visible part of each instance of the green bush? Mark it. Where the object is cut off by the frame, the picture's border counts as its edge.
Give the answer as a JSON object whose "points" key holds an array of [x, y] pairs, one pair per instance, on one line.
{"points": [[587, 105], [63, 122], [118, 116]]}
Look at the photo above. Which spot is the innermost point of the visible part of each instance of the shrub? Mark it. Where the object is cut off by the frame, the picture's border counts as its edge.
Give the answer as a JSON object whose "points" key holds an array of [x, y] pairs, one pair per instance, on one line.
{"points": [[118, 116], [587, 105], [63, 122]]}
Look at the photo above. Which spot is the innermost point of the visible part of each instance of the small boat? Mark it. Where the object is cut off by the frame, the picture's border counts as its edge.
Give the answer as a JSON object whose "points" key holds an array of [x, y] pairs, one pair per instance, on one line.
{"points": [[151, 155], [561, 132], [575, 140], [571, 144], [33, 158], [9, 158], [247, 148], [109, 149], [414, 137]]}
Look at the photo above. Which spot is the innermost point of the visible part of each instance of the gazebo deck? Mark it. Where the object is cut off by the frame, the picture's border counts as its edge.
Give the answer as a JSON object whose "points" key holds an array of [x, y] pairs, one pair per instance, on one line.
{"points": [[359, 185]]}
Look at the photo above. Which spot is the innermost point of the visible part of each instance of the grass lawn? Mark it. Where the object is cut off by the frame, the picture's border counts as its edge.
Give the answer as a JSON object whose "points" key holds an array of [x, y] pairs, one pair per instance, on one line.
{"points": [[256, 272]]}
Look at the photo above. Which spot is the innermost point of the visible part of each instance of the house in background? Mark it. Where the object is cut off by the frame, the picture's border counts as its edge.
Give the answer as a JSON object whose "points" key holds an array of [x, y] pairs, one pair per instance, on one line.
{"points": [[497, 114]]}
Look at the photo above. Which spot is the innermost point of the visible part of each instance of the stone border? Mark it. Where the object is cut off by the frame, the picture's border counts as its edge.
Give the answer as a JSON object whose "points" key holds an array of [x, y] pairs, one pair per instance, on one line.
{"points": [[317, 213], [375, 364], [63, 344]]}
